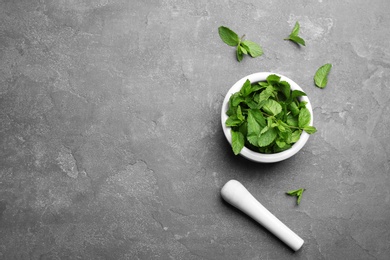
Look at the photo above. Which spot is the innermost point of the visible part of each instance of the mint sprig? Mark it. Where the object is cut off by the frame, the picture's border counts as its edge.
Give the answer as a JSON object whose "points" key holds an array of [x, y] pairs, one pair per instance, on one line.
{"points": [[242, 46], [294, 37], [298, 193]]}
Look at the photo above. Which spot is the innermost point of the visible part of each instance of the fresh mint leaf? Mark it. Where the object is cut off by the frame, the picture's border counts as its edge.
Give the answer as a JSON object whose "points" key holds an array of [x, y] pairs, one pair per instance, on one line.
{"points": [[240, 116], [297, 93], [272, 107], [267, 137], [292, 120], [294, 35], [273, 79], [233, 121], [253, 129], [228, 36], [237, 99], [239, 53], [293, 108], [266, 94], [280, 143], [295, 30], [285, 88], [286, 136], [246, 89], [321, 76], [298, 193], [310, 129], [256, 113], [295, 136], [297, 40], [252, 48], [304, 117], [238, 141]]}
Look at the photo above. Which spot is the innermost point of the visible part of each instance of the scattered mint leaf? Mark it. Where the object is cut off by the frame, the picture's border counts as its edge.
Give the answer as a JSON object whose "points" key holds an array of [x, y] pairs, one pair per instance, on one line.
{"points": [[294, 35], [243, 47], [239, 53], [298, 193], [297, 40], [228, 36], [252, 48], [321, 76]]}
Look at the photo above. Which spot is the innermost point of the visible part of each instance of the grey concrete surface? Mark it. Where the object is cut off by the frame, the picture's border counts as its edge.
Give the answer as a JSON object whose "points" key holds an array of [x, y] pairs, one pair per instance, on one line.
{"points": [[111, 141]]}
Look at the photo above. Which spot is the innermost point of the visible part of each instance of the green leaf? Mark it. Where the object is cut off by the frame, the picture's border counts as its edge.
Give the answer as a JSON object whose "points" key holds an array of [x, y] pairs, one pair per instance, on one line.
{"points": [[292, 120], [293, 108], [304, 117], [268, 137], [280, 126], [273, 79], [285, 88], [295, 30], [297, 40], [297, 93], [295, 136], [286, 136], [233, 121], [280, 143], [239, 114], [294, 35], [265, 129], [243, 49], [302, 104], [277, 149], [239, 53], [251, 103], [253, 129], [310, 129], [272, 107], [321, 76], [236, 99], [228, 36], [298, 193], [246, 88], [266, 93], [256, 113], [243, 128], [253, 48], [238, 141]]}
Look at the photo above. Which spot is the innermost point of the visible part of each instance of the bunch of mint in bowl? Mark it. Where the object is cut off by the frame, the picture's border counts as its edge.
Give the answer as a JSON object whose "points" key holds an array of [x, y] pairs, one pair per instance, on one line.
{"points": [[266, 117]]}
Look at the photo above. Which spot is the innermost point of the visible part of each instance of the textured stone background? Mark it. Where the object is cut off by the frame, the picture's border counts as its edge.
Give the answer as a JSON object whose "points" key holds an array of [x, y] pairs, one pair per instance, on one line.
{"points": [[111, 144]]}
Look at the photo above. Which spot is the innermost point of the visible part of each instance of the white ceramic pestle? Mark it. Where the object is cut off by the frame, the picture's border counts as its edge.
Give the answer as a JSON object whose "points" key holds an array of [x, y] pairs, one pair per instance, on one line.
{"points": [[237, 195]]}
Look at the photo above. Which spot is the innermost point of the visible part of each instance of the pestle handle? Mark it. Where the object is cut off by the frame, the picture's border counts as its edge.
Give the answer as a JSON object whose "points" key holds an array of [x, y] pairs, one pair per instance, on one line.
{"points": [[238, 196]]}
